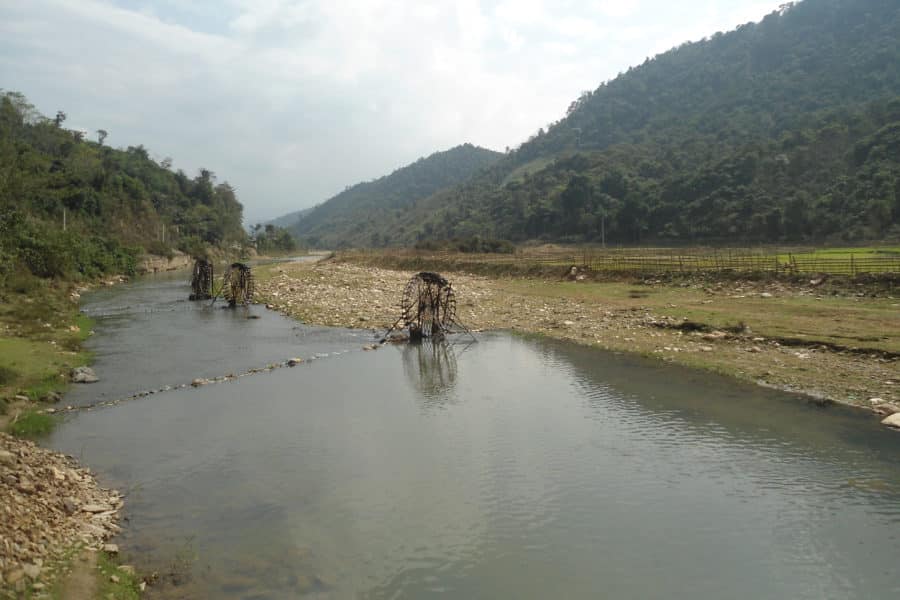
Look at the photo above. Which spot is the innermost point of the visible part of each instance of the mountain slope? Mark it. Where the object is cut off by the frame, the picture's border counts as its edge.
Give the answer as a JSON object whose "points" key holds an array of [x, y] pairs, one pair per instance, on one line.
{"points": [[754, 135], [759, 134], [367, 214]]}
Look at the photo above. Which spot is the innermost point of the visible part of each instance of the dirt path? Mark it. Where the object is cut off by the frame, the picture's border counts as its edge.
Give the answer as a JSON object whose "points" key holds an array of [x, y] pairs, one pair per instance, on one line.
{"points": [[777, 346], [81, 582]]}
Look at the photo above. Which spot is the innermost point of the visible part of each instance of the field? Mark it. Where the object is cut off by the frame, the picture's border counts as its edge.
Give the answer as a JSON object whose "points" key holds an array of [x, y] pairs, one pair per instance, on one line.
{"points": [[771, 261]]}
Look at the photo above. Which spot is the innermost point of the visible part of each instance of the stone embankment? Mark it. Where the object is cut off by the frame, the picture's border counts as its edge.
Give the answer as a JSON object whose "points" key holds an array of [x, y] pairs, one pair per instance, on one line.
{"points": [[151, 263], [350, 295], [49, 508]]}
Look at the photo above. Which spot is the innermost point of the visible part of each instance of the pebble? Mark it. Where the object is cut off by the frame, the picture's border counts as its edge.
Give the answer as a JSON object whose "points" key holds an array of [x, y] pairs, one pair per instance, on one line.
{"points": [[40, 492], [7, 458]]}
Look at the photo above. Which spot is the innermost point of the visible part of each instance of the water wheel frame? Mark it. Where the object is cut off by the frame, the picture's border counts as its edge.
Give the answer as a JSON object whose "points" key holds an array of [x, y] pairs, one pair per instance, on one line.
{"points": [[428, 305], [202, 278], [238, 285]]}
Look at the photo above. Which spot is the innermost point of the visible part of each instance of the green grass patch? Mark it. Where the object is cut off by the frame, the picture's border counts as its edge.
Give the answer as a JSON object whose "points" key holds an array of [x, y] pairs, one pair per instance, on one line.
{"points": [[37, 364], [8, 375], [127, 586], [32, 424]]}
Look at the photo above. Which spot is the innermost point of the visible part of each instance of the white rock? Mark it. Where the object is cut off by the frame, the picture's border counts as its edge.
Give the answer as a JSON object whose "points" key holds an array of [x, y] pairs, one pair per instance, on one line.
{"points": [[7, 458], [892, 421], [32, 571], [84, 375]]}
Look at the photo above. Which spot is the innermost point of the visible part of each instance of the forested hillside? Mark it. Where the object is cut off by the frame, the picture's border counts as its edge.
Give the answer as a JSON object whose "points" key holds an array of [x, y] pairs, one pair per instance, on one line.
{"points": [[784, 130], [368, 214], [73, 207]]}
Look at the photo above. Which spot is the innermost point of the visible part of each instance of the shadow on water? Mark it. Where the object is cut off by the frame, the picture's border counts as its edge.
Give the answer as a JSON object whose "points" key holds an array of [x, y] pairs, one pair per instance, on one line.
{"points": [[507, 468]]}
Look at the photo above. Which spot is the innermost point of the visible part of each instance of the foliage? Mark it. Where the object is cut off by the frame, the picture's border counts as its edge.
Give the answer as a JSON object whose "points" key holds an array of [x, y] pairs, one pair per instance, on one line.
{"points": [[75, 208], [366, 214], [474, 244], [272, 238]]}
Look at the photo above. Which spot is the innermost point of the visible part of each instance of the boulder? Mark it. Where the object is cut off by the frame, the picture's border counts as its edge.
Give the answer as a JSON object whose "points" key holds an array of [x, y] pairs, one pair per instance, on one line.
{"points": [[84, 375], [887, 409], [892, 421]]}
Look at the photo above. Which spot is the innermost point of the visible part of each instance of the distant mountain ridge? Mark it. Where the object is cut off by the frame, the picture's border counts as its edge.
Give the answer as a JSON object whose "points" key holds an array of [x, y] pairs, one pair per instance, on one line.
{"points": [[783, 130], [290, 219], [366, 214]]}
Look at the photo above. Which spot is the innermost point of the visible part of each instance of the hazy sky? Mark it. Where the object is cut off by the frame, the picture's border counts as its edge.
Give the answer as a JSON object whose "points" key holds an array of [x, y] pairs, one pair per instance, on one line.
{"points": [[291, 101]]}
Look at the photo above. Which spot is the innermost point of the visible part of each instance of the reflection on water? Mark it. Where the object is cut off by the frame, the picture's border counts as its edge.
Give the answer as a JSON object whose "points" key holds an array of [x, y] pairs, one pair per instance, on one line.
{"points": [[430, 366], [506, 469]]}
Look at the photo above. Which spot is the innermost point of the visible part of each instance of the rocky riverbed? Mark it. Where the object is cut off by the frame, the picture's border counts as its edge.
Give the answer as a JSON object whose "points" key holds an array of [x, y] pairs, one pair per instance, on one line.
{"points": [[350, 295], [51, 508]]}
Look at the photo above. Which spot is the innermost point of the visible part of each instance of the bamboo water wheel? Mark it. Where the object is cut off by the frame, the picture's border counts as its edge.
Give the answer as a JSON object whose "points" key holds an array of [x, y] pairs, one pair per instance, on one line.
{"points": [[428, 305], [238, 285], [202, 280]]}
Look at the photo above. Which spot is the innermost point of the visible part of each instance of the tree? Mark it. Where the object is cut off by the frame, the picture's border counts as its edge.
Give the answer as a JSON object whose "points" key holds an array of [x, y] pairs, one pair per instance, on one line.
{"points": [[101, 136], [60, 118]]}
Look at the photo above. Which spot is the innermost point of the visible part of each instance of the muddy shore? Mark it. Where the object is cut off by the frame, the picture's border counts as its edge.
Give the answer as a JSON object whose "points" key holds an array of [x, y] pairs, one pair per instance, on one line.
{"points": [[356, 296]]}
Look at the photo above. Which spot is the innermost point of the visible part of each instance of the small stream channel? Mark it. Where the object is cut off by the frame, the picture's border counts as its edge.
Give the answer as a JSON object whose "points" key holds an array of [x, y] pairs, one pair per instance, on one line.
{"points": [[508, 468]]}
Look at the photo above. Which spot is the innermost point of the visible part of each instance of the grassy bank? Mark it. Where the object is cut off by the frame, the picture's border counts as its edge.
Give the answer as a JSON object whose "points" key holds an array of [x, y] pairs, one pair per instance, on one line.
{"points": [[41, 335], [834, 343]]}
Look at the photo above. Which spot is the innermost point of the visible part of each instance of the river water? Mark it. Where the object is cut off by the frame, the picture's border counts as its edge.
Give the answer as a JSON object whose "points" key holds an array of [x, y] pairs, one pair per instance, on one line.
{"points": [[507, 468]]}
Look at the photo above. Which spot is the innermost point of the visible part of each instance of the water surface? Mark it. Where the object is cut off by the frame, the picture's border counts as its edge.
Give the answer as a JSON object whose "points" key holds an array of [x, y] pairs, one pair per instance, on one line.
{"points": [[508, 468]]}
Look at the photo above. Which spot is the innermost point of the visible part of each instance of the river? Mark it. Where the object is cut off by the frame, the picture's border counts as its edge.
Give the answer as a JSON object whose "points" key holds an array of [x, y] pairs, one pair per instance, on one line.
{"points": [[506, 468]]}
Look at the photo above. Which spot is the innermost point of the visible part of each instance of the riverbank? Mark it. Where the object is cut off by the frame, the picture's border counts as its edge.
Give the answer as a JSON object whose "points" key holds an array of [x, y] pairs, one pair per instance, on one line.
{"points": [[55, 515], [52, 509], [836, 347]]}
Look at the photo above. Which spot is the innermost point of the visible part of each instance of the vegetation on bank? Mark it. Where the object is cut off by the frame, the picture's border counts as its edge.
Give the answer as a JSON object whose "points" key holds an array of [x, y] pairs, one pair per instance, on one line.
{"points": [[77, 209], [272, 239], [41, 335]]}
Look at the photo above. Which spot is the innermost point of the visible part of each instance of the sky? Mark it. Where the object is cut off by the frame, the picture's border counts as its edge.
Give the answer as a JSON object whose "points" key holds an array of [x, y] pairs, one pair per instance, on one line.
{"points": [[291, 101]]}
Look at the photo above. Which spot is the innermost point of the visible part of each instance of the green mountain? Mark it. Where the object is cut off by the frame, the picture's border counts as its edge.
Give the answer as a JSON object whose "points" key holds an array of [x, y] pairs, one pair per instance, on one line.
{"points": [[787, 129], [289, 219], [70, 207], [368, 214]]}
